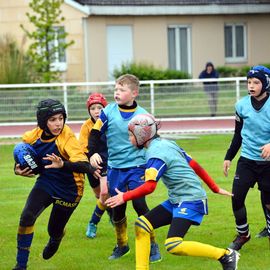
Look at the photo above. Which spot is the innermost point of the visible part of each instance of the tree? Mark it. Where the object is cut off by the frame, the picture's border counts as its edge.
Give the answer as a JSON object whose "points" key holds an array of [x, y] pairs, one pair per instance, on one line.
{"points": [[48, 39]]}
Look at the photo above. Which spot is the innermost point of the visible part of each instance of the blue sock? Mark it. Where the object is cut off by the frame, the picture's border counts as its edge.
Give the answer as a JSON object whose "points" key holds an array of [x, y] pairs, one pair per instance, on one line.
{"points": [[23, 248], [97, 214]]}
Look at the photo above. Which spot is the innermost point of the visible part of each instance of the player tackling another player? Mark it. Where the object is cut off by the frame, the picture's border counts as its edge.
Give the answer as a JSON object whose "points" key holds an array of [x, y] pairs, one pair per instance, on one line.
{"points": [[186, 205], [60, 182]]}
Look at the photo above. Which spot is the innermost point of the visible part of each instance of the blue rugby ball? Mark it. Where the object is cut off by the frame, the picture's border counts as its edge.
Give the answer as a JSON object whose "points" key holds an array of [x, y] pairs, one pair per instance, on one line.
{"points": [[25, 155]]}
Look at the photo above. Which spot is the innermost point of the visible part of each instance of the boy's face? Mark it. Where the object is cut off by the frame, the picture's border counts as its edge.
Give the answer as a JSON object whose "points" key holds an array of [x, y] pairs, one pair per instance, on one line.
{"points": [[56, 123], [123, 95], [95, 110], [254, 87]]}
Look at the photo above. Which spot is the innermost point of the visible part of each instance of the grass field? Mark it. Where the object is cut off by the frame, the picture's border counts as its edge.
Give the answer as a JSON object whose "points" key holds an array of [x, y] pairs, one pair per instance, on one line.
{"points": [[79, 253]]}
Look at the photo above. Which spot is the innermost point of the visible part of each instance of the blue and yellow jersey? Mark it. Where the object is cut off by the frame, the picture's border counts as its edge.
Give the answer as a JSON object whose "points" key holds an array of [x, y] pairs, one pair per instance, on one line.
{"points": [[59, 183], [113, 122], [166, 160], [256, 127]]}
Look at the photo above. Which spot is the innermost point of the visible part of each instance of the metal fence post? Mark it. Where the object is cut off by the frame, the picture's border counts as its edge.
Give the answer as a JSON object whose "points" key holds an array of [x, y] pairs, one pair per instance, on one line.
{"points": [[65, 97], [237, 89], [152, 97]]}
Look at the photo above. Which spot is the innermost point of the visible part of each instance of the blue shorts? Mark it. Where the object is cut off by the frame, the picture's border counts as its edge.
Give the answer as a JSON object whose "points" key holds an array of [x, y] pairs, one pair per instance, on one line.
{"points": [[193, 211], [125, 179]]}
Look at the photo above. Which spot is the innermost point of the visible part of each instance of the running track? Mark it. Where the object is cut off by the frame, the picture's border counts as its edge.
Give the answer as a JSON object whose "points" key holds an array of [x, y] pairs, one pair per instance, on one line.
{"points": [[168, 126]]}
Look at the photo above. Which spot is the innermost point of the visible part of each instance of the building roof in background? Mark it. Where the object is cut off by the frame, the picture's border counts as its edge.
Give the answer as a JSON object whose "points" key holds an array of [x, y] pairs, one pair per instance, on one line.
{"points": [[169, 7], [169, 2]]}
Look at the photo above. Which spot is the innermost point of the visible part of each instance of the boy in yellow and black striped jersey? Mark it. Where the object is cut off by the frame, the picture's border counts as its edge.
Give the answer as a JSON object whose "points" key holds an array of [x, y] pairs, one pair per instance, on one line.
{"points": [[95, 103], [60, 182]]}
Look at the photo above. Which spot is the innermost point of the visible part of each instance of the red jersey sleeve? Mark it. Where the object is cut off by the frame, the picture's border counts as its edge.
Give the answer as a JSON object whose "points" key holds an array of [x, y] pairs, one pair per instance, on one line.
{"points": [[147, 188], [201, 172]]}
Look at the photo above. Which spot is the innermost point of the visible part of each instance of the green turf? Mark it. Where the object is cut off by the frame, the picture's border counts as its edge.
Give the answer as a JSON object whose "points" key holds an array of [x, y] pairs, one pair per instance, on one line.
{"points": [[79, 253]]}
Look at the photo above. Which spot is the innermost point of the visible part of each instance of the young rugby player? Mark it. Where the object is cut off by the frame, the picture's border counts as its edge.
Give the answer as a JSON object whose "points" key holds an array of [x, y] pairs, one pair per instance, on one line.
{"points": [[252, 131], [95, 103], [187, 202], [126, 164], [60, 182]]}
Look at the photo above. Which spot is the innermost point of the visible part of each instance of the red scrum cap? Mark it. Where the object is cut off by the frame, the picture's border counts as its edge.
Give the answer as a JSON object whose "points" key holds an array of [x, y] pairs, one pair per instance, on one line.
{"points": [[96, 98]]}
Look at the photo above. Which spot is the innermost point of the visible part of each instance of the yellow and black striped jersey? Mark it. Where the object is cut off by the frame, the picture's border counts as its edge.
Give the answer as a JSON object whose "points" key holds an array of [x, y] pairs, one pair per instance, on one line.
{"points": [[59, 183]]}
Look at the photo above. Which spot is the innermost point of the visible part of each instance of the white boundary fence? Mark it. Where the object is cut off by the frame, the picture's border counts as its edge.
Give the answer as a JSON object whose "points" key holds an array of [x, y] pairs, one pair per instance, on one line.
{"points": [[163, 98]]}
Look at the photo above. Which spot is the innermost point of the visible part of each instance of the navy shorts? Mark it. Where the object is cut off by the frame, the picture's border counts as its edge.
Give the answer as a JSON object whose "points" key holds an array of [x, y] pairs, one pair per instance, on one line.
{"points": [[249, 172], [125, 179]]}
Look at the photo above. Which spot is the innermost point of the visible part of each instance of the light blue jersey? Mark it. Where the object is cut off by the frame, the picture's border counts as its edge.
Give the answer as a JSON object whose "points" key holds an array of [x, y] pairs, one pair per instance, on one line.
{"points": [[256, 127], [121, 153], [179, 178]]}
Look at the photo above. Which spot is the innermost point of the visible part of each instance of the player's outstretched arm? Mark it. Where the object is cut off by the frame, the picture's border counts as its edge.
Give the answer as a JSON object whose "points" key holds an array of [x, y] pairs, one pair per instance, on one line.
{"points": [[79, 166], [57, 161], [115, 200], [147, 188], [202, 173], [224, 192]]}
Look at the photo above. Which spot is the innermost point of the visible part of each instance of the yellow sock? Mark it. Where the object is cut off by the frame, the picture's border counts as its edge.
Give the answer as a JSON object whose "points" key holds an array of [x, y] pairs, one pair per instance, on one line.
{"points": [[176, 246], [26, 230], [152, 237], [121, 232], [143, 229], [101, 206]]}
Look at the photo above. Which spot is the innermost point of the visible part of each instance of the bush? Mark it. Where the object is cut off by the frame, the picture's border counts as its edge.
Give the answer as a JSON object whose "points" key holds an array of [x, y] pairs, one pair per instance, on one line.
{"points": [[148, 72], [225, 71], [14, 67]]}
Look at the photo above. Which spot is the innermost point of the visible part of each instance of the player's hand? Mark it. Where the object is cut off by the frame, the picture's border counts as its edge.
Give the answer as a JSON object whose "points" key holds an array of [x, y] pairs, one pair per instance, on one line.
{"points": [[115, 200], [57, 161], [27, 172], [97, 174], [226, 167], [225, 192], [96, 160], [266, 152]]}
